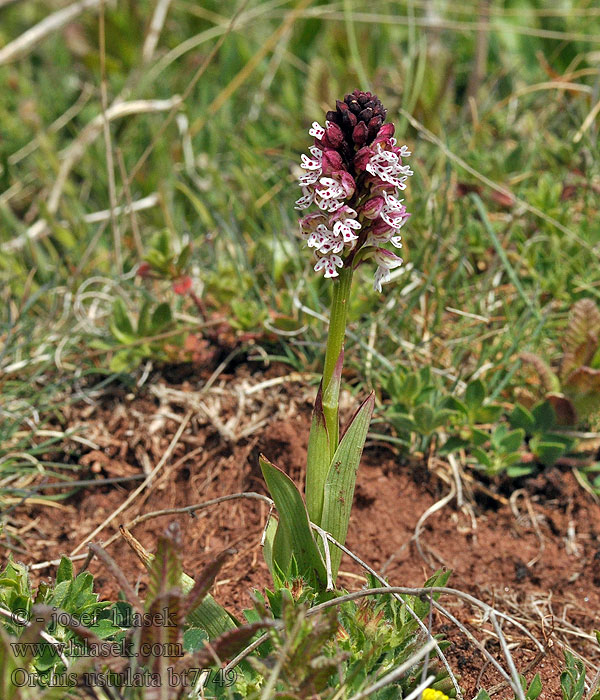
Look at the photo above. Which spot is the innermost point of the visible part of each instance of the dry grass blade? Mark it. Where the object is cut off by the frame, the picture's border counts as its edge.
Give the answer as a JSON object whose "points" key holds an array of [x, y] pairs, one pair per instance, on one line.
{"points": [[158, 20], [76, 151], [53, 23]]}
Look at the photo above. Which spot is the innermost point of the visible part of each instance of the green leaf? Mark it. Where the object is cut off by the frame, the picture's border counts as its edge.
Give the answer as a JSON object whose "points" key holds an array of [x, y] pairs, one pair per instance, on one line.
{"points": [[162, 243], [124, 360], [453, 443], [161, 317], [454, 404], [424, 419], [535, 688], [402, 422], [479, 437], [547, 452], [519, 470], [341, 479], [317, 462], [521, 417], [143, 326], [209, 615], [270, 535], [544, 416], [410, 388], [293, 518], [157, 261], [193, 639], [184, 258], [282, 554], [482, 695], [120, 323], [488, 414], [65, 570], [512, 440], [482, 457], [474, 394], [104, 628]]}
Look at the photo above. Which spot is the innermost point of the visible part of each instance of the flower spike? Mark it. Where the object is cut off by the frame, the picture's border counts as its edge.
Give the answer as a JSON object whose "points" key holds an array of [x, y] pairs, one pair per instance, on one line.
{"points": [[353, 175]]}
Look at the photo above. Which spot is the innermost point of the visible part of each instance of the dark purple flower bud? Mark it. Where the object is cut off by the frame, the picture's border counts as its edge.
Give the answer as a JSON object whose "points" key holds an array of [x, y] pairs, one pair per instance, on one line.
{"points": [[332, 117], [374, 127], [352, 120], [341, 106], [360, 133], [387, 130], [334, 135], [366, 115], [362, 158], [354, 105], [331, 162]]}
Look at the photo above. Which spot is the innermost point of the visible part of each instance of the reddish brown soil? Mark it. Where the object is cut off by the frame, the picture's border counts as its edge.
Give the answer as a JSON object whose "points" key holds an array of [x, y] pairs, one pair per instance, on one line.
{"points": [[538, 560]]}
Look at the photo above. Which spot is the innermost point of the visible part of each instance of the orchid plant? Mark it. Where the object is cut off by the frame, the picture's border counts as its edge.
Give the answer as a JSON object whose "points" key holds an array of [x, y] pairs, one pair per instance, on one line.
{"points": [[354, 175]]}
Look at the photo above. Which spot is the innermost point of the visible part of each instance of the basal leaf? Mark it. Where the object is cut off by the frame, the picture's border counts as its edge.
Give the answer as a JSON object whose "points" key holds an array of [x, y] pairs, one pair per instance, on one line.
{"points": [[293, 518], [341, 479]]}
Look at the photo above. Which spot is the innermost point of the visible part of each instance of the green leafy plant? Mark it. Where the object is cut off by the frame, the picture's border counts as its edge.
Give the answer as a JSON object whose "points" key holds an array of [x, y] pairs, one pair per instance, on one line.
{"points": [[162, 262], [137, 337], [546, 444], [418, 408], [171, 640], [72, 595]]}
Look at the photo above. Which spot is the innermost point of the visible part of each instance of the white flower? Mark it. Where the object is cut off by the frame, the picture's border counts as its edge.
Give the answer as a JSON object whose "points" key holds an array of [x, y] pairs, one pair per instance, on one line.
{"points": [[316, 130], [387, 166], [329, 263], [386, 261], [344, 228], [308, 197]]}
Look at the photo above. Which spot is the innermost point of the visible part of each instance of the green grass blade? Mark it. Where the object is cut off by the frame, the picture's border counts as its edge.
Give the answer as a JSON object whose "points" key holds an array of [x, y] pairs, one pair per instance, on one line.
{"points": [[510, 270]]}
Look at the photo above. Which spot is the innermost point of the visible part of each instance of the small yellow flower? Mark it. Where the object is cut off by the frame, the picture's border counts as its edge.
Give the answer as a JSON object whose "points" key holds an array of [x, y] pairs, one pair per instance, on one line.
{"points": [[430, 694]]}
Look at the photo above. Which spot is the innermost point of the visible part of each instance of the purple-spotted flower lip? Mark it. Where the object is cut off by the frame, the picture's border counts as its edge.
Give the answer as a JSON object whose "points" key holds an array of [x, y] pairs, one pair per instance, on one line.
{"points": [[353, 175]]}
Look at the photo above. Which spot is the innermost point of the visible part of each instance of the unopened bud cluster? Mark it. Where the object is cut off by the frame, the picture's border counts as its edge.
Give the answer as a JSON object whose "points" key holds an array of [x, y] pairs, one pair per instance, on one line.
{"points": [[354, 174]]}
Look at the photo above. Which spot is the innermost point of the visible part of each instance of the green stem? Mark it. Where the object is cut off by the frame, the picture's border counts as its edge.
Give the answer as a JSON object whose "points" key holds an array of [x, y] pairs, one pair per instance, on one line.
{"points": [[335, 344]]}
